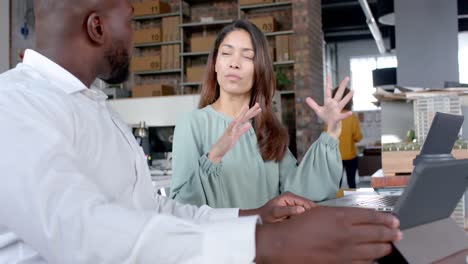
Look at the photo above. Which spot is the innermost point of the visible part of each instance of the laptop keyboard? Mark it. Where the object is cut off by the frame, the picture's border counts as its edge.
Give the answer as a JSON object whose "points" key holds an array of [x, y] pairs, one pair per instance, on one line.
{"points": [[381, 201]]}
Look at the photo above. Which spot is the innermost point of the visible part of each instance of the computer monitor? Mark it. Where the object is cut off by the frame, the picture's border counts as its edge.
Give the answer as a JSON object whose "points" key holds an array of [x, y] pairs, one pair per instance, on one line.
{"points": [[160, 139]]}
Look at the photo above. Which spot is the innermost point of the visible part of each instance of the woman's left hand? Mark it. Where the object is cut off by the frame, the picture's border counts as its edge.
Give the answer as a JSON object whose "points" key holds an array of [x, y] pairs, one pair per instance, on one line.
{"points": [[330, 112]]}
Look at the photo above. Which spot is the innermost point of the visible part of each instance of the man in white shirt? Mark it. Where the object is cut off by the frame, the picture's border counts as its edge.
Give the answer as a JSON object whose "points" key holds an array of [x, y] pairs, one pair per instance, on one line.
{"points": [[75, 186]]}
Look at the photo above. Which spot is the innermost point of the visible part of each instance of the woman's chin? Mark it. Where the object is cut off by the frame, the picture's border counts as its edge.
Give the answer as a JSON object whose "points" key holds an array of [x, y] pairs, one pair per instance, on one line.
{"points": [[235, 89]]}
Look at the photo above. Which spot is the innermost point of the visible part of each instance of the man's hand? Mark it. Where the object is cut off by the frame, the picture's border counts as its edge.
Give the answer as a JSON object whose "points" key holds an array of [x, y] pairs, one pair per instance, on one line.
{"points": [[281, 208], [328, 235]]}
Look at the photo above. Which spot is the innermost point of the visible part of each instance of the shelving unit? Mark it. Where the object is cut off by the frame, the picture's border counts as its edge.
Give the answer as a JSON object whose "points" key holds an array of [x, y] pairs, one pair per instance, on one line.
{"points": [[139, 18], [157, 44], [283, 63], [266, 5], [189, 13], [207, 24], [194, 54], [157, 72], [278, 33]]}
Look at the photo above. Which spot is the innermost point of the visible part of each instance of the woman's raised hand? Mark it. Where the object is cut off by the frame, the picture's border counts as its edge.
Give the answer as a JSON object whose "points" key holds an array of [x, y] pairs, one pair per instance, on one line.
{"points": [[330, 112], [238, 127]]}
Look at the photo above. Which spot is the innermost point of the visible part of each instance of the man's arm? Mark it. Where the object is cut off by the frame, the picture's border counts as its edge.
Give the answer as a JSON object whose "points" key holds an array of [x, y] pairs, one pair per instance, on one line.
{"points": [[57, 209]]}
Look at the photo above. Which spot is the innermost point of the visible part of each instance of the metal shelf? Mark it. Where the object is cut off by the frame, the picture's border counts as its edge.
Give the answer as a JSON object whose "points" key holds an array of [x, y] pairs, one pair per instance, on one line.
{"points": [[190, 84], [286, 92], [187, 54], [277, 33], [283, 63], [157, 72], [258, 6], [200, 24], [155, 16], [156, 44]]}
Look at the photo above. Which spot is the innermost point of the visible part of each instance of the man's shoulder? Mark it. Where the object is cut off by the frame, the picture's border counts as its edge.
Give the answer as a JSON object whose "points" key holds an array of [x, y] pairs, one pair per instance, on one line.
{"points": [[22, 90]]}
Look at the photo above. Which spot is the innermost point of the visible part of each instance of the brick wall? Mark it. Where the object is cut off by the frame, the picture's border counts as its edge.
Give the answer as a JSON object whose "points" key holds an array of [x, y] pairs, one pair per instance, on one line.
{"points": [[308, 70]]}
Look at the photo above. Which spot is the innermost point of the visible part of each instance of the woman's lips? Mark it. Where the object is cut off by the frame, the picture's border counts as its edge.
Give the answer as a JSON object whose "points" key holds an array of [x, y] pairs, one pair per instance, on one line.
{"points": [[233, 77]]}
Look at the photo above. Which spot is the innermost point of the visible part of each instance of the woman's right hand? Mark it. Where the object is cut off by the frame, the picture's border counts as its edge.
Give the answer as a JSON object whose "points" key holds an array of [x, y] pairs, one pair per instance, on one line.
{"points": [[238, 127]]}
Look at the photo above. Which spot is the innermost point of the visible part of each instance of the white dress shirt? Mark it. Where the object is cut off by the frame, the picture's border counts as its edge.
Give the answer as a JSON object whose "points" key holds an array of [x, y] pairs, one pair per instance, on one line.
{"points": [[75, 187]]}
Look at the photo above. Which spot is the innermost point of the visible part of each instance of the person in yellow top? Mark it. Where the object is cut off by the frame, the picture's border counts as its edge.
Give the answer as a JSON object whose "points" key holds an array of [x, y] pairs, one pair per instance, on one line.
{"points": [[350, 135]]}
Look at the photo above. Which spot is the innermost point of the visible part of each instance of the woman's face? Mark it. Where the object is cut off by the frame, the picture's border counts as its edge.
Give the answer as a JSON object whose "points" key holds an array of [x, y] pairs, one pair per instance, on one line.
{"points": [[234, 63]]}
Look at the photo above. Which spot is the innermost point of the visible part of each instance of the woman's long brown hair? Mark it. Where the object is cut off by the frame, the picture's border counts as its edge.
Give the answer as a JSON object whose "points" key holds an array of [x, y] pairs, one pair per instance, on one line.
{"points": [[272, 136]]}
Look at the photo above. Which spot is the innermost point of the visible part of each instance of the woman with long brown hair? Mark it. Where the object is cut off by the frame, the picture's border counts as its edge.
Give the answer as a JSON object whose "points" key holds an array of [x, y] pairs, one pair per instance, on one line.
{"points": [[233, 151]]}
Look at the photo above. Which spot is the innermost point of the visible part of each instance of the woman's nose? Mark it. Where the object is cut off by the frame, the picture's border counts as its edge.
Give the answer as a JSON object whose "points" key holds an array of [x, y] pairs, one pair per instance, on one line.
{"points": [[234, 63]]}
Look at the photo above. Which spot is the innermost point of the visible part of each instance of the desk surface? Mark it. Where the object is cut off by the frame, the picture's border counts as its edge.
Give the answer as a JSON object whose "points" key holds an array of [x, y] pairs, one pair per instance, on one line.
{"points": [[460, 257]]}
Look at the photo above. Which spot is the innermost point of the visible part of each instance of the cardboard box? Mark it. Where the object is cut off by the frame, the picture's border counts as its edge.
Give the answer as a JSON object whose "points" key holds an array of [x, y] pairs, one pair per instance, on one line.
{"points": [[202, 43], [170, 28], [165, 28], [251, 2], [195, 73], [164, 57], [291, 47], [282, 48], [150, 8], [176, 56], [170, 57], [175, 28], [150, 35], [266, 24], [148, 90], [146, 63]]}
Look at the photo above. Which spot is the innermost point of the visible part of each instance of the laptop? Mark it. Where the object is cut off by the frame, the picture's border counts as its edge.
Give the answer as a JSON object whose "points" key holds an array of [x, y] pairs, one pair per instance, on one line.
{"points": [[439, 144], [432, 193], [442, 134]]}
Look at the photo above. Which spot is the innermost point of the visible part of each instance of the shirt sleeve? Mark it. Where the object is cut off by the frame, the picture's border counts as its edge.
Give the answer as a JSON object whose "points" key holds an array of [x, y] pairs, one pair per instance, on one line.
{"points": [[318, 175], [56, 208], [195, 179]]}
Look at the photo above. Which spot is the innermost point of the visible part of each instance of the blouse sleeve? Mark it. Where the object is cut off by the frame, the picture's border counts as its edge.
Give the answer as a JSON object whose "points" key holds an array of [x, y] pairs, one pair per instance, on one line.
{"points": [[195, 179], [318, 175]]}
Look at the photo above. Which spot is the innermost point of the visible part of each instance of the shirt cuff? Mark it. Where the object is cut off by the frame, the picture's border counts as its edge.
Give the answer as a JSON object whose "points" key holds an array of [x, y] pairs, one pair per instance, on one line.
{"points": [[231, 241], [326, 139], [220, 214], [209, 167]]}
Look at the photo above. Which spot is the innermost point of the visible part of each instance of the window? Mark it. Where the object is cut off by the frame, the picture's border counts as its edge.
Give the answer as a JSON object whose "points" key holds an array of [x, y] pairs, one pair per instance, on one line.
{"points": [[361, 79], [463, 56]]}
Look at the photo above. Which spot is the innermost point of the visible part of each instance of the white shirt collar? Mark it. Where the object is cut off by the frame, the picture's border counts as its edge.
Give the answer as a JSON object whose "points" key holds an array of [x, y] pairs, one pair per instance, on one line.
{"points": [[53, 72]]}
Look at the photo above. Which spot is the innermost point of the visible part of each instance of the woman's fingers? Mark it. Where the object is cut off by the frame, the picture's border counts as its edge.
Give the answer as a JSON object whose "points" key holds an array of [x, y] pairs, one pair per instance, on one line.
{"points": [[346, 99], [245, 116], [328, 87], [240, 125], [341, 88], [311, 102], [253, 113], [244, 110], [240, 132]]}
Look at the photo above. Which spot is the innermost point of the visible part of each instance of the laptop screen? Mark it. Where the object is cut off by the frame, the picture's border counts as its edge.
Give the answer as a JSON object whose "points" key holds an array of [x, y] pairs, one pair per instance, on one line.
{"points": [[432, 193], [442, 134]]}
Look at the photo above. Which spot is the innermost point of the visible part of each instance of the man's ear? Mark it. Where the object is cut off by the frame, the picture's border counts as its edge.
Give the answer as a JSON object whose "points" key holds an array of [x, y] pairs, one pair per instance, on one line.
{"points": [[95, 28]]}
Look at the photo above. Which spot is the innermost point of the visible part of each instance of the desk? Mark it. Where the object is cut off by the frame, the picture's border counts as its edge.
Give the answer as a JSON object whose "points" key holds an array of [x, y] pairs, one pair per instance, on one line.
{"points": [[379, 180], [460, 257]]}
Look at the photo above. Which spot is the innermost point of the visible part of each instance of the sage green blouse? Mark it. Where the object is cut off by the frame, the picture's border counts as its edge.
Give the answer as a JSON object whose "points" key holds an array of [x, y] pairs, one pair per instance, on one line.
{"points": [[243, 179]]}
